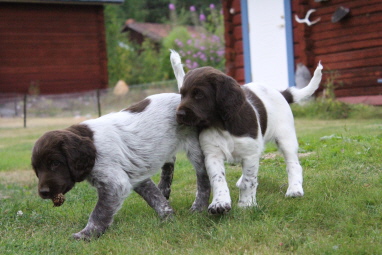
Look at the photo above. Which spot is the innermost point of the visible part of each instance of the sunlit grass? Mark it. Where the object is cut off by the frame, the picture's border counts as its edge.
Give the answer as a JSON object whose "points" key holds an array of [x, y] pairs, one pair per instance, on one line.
{"points": [[341, 212]]}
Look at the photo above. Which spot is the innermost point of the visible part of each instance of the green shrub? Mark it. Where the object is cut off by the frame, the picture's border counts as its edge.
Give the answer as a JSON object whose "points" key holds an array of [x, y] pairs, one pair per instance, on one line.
{"points": [[202, 47], [334, 109]]}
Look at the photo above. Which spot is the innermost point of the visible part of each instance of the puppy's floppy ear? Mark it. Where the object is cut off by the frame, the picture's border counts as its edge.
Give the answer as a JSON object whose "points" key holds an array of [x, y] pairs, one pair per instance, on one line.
{"points": [[80, 153], [229, 97]]}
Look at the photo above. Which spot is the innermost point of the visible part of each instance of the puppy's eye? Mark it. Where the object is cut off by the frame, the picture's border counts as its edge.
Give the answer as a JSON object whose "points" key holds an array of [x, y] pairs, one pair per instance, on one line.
{"points": [[197, 94], [54, 164]]}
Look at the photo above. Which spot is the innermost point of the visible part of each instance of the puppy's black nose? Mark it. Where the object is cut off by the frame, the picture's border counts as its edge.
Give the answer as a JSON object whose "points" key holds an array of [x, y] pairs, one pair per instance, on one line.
{"points": [[180, 113], [44, 192]]}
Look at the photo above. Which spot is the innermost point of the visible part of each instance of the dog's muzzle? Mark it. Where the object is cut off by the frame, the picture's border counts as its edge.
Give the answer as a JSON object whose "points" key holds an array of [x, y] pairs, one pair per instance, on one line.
{"points": [[180, 116], [186, 117]]}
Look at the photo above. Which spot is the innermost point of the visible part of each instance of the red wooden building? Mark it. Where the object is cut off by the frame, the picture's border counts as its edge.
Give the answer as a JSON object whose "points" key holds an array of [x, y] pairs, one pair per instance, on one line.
{"points": [[52, 46], [350, 47]]}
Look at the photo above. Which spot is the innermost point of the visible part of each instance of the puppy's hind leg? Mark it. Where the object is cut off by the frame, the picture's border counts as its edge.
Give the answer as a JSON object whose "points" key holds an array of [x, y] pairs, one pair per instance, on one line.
{"points": [[166, 178], [153, 196], [196, 157], [289, 147], [248, 181]]}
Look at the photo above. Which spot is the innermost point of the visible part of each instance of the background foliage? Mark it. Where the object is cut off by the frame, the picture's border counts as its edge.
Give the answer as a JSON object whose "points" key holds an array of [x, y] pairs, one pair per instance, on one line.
{"points": [[138, 64]]}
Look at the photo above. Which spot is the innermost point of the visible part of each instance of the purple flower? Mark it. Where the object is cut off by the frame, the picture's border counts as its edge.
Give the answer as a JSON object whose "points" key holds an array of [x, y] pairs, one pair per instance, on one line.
{"points": [[202, 17], [220, 53], [212, 6], [179, 43], [171, 7], [215, 38], [189, 63], [192, 8]]}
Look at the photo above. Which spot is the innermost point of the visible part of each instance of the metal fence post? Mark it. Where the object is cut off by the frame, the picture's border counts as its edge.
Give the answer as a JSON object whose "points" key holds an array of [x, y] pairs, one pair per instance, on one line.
{"points": [[25, 110], [15, 105], [98, 103]]}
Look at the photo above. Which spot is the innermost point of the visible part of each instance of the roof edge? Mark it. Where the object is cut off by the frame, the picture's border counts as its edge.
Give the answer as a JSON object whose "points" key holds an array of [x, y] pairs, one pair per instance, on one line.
{"points": [[85, 2]]}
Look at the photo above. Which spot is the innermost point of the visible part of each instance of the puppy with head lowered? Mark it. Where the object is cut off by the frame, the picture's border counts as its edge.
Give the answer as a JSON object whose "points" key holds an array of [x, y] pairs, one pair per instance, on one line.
{"points": [[235, 122], [118, 153]]}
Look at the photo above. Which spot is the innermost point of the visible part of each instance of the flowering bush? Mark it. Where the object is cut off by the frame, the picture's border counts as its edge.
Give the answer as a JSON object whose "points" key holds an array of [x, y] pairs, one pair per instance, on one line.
{"points": [[202, 44], [203, 50], [199, 45]]}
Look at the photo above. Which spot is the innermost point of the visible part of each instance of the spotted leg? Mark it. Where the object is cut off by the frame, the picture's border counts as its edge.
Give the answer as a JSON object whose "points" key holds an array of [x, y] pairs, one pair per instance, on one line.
{"points": [[211, 143], [248, 181], [110, 199], [221, 202], [153, 196], [166, 178], [196, 157]]}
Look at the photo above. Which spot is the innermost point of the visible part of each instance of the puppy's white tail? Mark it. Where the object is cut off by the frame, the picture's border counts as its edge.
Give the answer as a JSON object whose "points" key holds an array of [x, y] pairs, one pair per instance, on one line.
{"points": [[294, 95], [177, 66]]}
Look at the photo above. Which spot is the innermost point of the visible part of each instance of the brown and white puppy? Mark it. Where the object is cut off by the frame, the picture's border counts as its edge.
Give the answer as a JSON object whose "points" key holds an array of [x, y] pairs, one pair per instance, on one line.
{"points": [[235, 122], [118, 153]]}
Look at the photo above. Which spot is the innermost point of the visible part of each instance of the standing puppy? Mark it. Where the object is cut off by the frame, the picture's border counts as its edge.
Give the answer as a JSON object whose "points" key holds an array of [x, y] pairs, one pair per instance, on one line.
{"points": [[235, 122], [118, 153]]}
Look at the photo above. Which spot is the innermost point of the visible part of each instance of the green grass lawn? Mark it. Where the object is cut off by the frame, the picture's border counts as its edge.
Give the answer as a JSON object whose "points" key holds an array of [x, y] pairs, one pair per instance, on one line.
{"points": [[341, 212]]}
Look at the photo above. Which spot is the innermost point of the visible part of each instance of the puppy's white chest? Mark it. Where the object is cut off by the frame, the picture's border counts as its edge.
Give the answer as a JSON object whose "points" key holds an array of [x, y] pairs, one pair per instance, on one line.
{"points": [[232, 148]]}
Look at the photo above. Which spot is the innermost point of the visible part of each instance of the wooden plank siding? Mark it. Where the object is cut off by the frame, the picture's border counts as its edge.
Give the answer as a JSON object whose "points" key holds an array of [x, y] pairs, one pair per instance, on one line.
{"points": [[351, 47], [61, 48], [233, 40]]}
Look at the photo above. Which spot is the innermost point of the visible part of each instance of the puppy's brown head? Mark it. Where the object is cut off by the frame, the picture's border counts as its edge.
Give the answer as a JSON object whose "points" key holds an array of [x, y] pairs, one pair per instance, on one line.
{"points": [[61, 158], [209, 98]]}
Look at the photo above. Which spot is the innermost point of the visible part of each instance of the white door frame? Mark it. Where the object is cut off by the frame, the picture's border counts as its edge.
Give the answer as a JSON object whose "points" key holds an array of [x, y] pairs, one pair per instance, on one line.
{"points": [[288, 39]]}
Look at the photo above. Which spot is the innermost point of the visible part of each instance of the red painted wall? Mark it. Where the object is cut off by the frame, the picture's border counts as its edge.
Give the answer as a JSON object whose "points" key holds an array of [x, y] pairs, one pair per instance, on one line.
{"points": [[351, 48], [60, 47], [233, 39]]}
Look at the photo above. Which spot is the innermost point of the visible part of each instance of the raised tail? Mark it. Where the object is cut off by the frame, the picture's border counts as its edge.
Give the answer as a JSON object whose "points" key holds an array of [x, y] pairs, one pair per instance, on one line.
{"points": [[294, 95], [177, 66]]}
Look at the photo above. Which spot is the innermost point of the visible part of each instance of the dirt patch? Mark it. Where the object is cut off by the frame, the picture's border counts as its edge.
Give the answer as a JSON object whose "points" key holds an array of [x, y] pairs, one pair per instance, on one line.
{"points": [[40, 122], [273, 155], [21, 177]]}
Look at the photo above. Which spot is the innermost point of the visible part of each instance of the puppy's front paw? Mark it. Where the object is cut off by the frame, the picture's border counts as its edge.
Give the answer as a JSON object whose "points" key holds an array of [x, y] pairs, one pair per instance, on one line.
{"points": [[167, 213], [295, 191], [219, 208], [88, 233], [82, 236]]}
